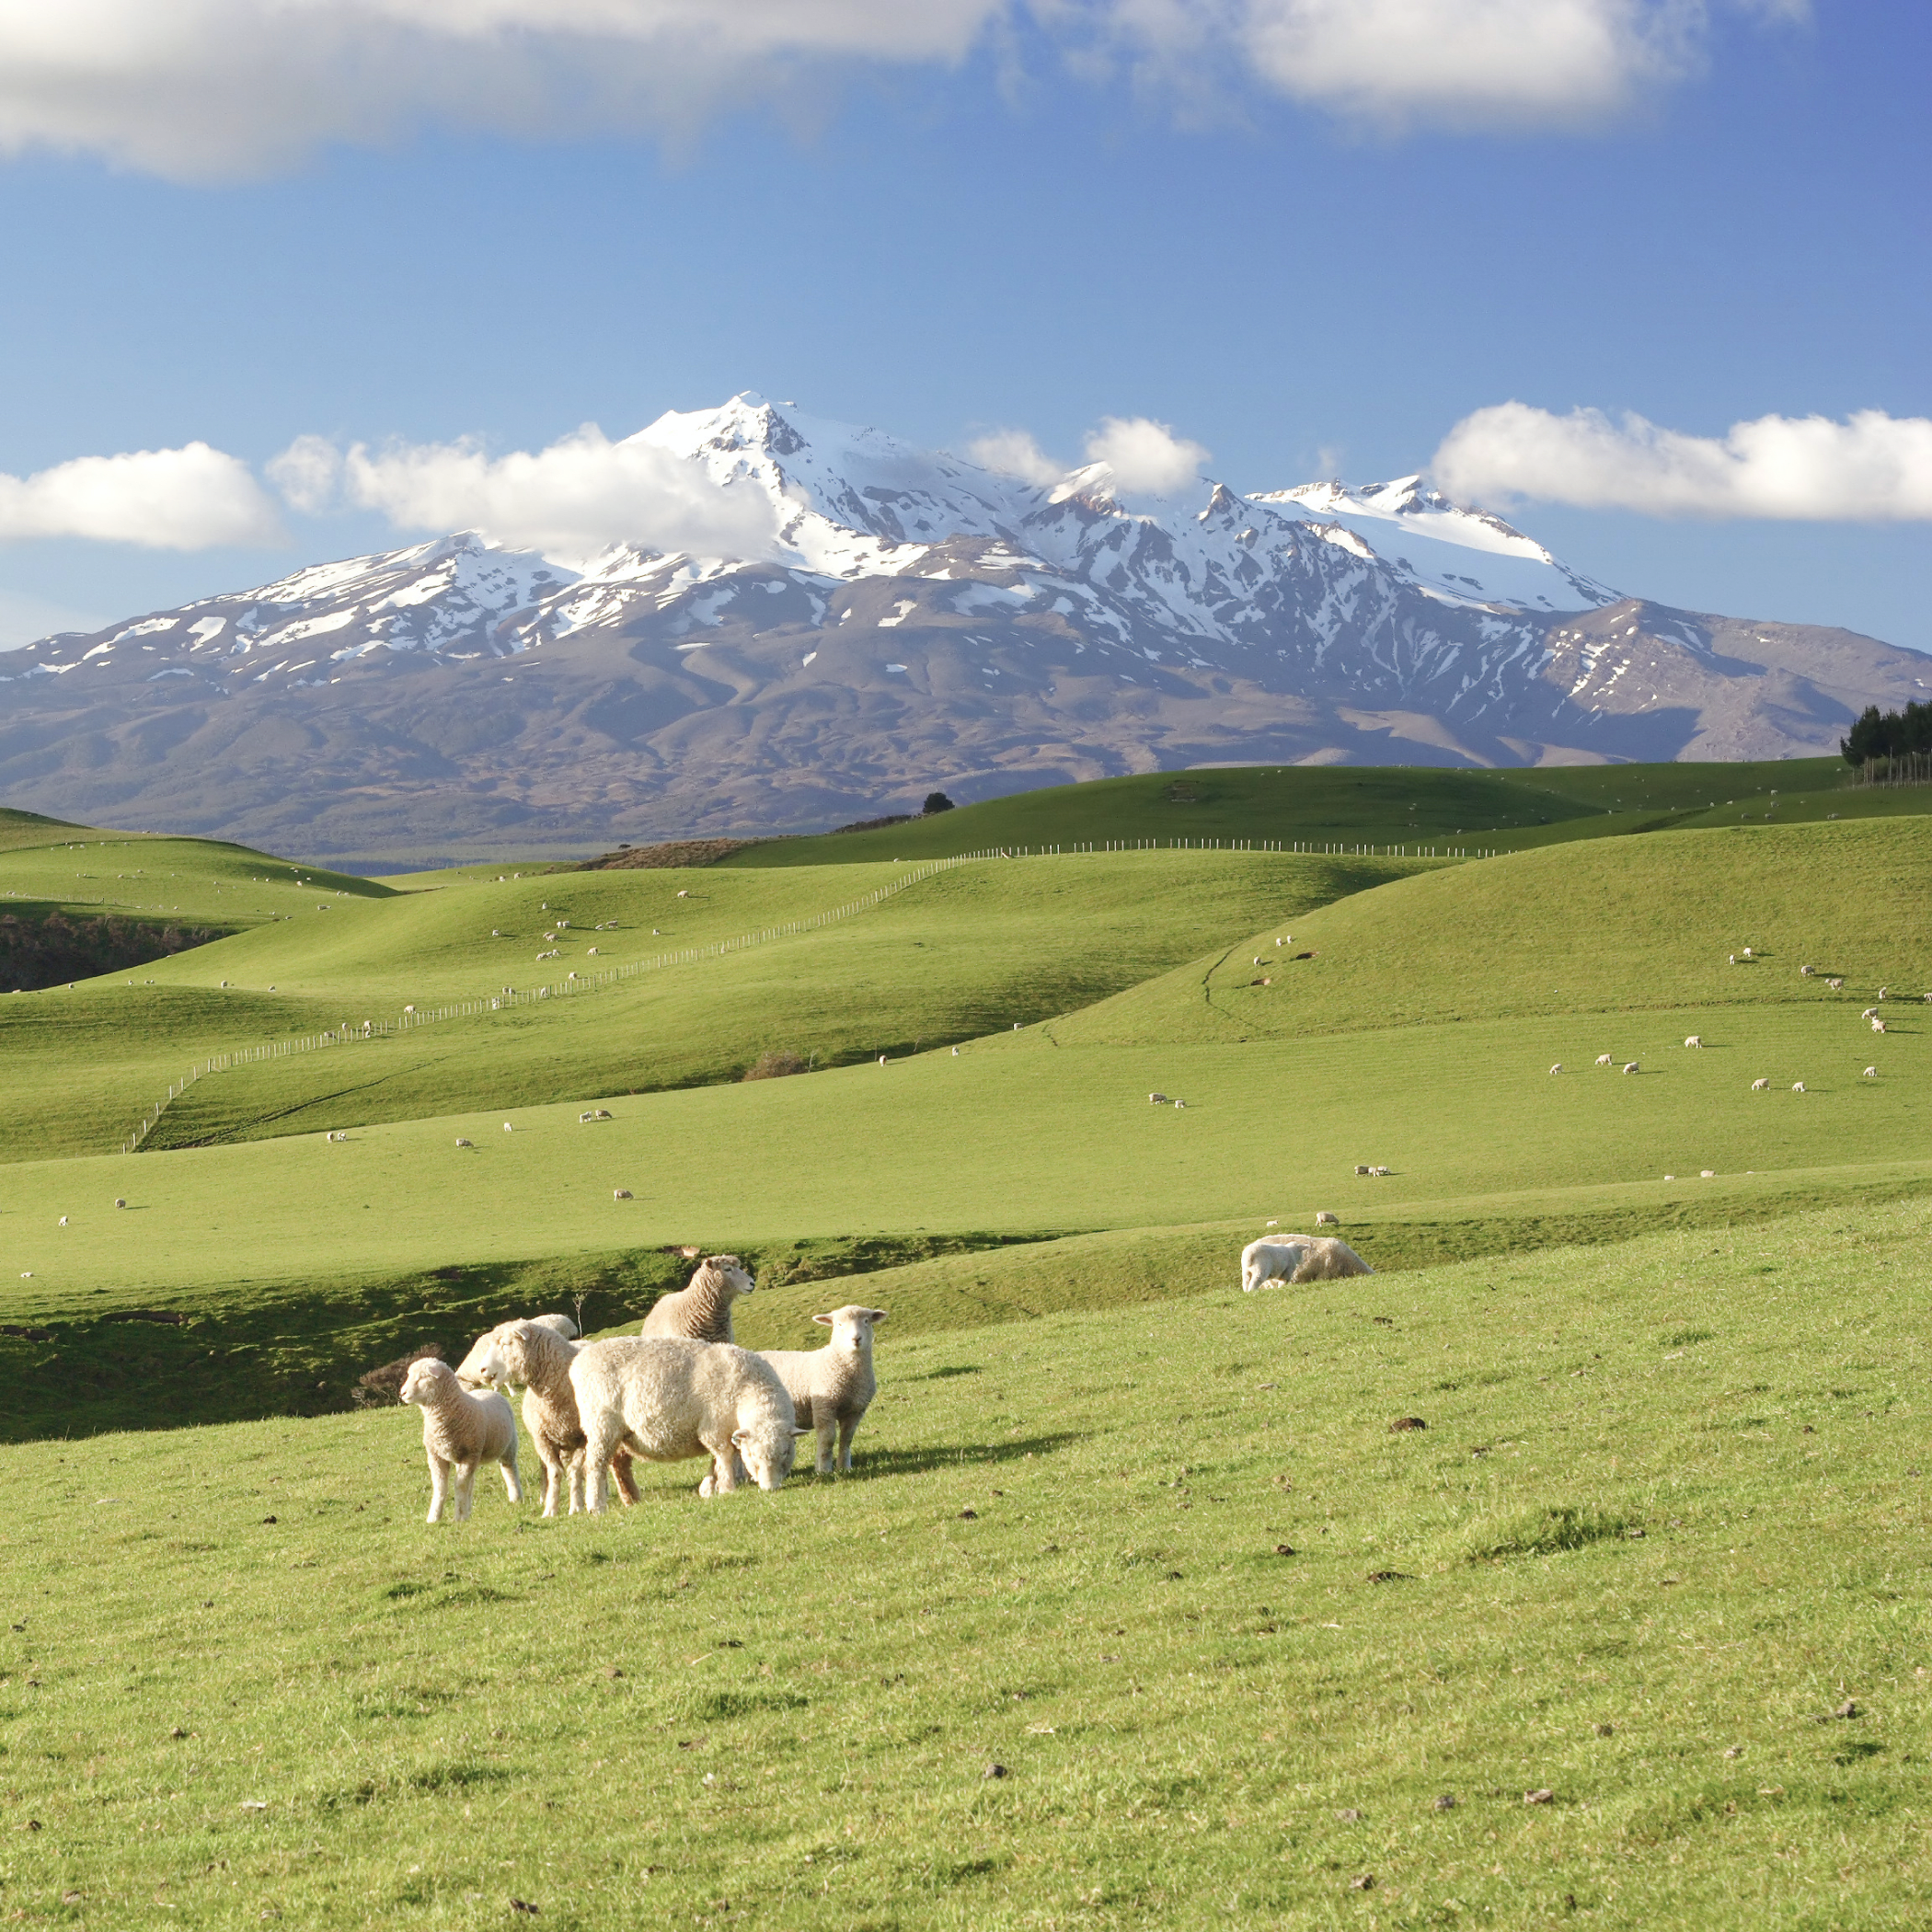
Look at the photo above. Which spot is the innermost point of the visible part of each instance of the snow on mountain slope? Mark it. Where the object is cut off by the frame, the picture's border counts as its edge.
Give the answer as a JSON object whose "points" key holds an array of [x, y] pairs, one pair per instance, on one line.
{"points": [[916, 620]]}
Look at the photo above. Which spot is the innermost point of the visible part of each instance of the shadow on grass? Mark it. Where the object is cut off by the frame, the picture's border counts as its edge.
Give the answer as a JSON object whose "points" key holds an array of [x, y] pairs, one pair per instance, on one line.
{"points": [[965, 1455]]}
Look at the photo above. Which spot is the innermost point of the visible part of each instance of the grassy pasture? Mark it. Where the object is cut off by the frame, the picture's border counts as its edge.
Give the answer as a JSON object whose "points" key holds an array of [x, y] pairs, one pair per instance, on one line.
{"points": [[955, 956], [1668, 1512], [1379, 805]]}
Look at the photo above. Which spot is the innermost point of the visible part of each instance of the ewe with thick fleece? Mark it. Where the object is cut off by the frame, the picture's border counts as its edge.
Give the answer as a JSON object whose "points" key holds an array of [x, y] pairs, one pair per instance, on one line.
{"points": [[1299, 1257], [460, 1434], [667, 1397], [832, 1387], [703, 1310], [536, 1356]]}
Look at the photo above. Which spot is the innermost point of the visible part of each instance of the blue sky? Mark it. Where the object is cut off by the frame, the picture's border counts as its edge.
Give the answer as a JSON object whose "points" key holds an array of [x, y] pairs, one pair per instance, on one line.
{"points": [[1041, 218]]}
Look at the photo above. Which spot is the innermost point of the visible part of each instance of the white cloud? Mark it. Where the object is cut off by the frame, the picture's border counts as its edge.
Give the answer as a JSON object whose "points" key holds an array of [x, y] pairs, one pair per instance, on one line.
{"points": [[1142, 457], [1146, 457], [194, 498], [212, 89], [580, 495], [1013, 452], [1870, 468]]}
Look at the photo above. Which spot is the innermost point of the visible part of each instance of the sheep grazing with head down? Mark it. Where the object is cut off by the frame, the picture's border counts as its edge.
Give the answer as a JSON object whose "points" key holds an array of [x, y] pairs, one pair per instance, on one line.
{"points": [[832, 1387], [667, 1397], [1299, 1257], [702, 1310], [460, 1434]]}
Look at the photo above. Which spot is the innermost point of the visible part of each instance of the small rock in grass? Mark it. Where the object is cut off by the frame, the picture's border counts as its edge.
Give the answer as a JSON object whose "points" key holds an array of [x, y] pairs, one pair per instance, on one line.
{"points": [[1604, 1730], [1735, 1751], [1349, 1815], [1402, 1423], [178, 1732], [994, 1771], [611, 1671], [1285, 1550], [969, 1516], [1446, 1802], [1847, 1709], [1542, 1797], [1365, 1881]]}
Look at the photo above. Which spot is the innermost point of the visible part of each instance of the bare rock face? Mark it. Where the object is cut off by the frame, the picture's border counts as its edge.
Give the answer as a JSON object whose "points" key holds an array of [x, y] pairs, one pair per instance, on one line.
{"points": [[908, 618]]}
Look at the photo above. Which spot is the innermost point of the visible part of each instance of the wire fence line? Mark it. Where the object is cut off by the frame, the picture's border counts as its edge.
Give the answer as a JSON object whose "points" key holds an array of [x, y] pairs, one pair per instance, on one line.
{"points": [[574, 983]]}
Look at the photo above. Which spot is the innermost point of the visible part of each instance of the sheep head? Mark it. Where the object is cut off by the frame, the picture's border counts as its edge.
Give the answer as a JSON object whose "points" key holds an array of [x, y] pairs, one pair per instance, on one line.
{"points": [[766, 1450], [497, 1360], [851, 1327], [724, 1272], [427, 1382]]}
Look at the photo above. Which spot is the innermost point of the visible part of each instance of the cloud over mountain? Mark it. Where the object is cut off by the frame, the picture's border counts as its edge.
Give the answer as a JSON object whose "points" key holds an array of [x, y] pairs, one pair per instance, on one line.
{"points": [[1870, 468], [194, 498]]}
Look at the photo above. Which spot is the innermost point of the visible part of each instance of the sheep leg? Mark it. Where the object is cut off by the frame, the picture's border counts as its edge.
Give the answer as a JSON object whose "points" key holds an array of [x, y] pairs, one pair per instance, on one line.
{"points": [[621, 1475], [512, 1482], [847, 1429], [727, 1471], [439, 1486], [598, 1444], [553, 1472], [465, 1487], [826, 1430]]}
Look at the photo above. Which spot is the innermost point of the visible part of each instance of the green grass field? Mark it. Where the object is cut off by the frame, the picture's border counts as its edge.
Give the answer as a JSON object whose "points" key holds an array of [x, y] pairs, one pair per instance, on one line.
{"points": [[1665, 1517]]}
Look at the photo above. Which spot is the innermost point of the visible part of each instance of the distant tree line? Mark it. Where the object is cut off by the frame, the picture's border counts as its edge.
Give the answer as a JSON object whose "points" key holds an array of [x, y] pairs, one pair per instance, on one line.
{"points": [[1892, 747], [52, 949]]}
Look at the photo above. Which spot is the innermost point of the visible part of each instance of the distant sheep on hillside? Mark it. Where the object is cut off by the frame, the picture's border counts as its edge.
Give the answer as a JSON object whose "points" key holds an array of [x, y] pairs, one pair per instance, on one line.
{"points": [[1558, 1068], [1693, 1039], [1606, 1059], [1630, 1066], [1760, 1087], [1798, 1087]]}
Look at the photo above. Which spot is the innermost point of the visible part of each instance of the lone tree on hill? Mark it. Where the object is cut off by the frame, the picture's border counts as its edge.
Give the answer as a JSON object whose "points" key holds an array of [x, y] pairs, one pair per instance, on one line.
{"points": [[937, 801]]}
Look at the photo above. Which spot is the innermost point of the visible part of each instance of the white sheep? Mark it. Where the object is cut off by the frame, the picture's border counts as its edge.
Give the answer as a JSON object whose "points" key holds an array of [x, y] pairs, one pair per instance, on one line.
{"points": [[1606, 1059], [702, 1310], [460, 1434], [1869, 1013], [1693, 1039], [507, 1128], [1798, 1087], [1379, 1173], [1747, 952], [1836, 986], [1324, 1219], [1804, 972], [1630, 1066], [1157, 1099], [536, 1356], [461, 1142], [1299, 1257], [1871, 1073], [1878, 1026], [667, 1397], [1760, 1086], [1884, 991], [832, 1387], [1558, 1068], [622, 1195], [596, 1113]]}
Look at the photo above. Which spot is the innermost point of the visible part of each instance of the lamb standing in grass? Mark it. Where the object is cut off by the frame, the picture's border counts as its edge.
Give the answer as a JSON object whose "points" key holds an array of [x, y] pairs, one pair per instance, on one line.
{"points": [[460, 1434], [703, 1310], [1299, 1257], [832, 1387], [667, 1397]]}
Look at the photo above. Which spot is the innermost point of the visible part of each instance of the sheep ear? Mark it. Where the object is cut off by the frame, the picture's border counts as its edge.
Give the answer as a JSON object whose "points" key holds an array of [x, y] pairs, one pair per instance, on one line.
{"points": [[796, 1431], [826, 1320], [877, 1314], [739, 1439]]}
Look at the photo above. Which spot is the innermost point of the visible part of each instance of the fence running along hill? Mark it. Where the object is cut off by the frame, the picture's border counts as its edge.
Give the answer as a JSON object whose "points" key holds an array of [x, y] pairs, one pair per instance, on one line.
{"points": [[578, 983]]}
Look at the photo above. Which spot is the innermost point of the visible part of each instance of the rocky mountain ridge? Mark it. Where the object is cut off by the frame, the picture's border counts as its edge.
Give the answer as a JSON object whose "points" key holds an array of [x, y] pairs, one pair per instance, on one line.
{"points": [[906, 619]]}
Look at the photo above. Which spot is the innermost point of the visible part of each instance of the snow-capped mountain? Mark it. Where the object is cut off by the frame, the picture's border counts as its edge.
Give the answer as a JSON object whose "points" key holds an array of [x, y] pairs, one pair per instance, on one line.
{"points": [[911, 619]]}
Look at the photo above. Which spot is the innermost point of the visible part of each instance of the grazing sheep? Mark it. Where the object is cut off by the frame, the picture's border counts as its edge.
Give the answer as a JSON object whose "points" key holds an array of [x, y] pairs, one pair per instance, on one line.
{"points": [[1733, 959], [1299, 1257], [460, 1434], [1760, 1087], [507, 1128], [1360, 1168], [1693, 1039], [1869, 1013], [1606, 1059], [667, 1397], [1747, 952], [536, 1356], [1878, 1026], [461, 1142], [1798, 1087], [1180, 1103], [1871, 1073], [596, 1113], [622, 1195], [832, 1387], [702, 1310], [1157, 1099], [1630, 1066], [1324, 1219], [1379, 1173], [1836, 986], [1804, 972], [1558, 1068], [1884, 991], [335, 1135]]}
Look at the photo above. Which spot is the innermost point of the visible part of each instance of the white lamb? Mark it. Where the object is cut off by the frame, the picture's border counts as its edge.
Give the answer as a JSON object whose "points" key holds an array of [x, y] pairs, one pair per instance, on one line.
{"points": [[832, 1387], [1798, 1087], [1324, 1219], [1878, 1026], [1760, 1087], [1630, 1066], [702, 1310], [1693, 1039], [1871, 1073], [460, 1434], [1299, 1257], [1606, 1059], [666, 1398], [1558, 1068]]}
